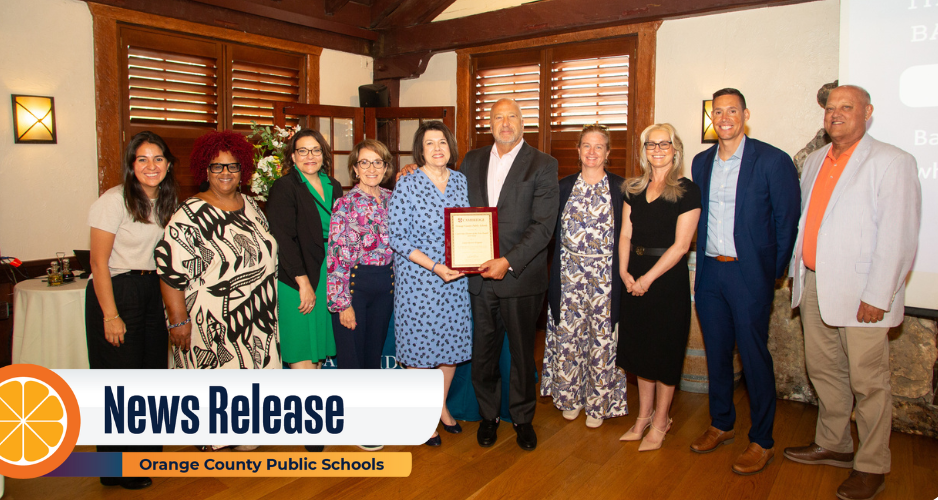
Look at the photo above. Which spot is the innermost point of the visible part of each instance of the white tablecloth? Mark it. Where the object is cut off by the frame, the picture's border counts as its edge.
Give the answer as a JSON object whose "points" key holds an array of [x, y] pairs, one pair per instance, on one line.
{"points": [[49, 324]]}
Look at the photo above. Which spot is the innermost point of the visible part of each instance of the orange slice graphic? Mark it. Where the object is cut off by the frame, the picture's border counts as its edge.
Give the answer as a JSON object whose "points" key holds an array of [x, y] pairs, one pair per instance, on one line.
{"points": [[39, 421]]}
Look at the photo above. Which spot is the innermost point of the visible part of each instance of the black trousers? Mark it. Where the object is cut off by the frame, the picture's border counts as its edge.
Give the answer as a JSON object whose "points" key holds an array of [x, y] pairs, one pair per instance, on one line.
{"points": [[140, 305], [146, 342], [372, 289], [493, 315]]}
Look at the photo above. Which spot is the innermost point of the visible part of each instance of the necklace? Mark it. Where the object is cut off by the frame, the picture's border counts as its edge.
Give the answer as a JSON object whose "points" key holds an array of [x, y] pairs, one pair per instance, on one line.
{"points": [[442, 177]]}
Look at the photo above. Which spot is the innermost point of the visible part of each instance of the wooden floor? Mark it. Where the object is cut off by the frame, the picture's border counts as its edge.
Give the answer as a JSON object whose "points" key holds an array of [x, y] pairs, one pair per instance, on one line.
{"points": [[571, 461]]}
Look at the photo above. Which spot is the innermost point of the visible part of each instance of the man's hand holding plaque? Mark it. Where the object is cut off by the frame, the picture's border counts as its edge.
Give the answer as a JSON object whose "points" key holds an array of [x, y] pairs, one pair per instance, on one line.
{"points": [[495, 268], [472, 241]]}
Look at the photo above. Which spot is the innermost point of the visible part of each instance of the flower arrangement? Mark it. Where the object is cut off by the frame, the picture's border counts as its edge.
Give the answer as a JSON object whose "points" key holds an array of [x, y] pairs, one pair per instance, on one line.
{"points": [[269, 156]]}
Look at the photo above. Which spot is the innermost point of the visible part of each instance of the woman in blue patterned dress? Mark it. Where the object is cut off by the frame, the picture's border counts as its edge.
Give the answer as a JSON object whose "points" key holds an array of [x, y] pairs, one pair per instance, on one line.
{"points": [[431, 305], [583, 296]]}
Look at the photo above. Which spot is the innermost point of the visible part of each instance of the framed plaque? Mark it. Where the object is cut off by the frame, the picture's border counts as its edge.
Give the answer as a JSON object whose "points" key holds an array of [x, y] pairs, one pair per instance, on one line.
{"points": [[471, 237]]}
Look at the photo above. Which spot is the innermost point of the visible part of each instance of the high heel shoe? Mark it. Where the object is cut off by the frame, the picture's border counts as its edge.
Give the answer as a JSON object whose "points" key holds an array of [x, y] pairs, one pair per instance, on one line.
{"points": [[649, 445], [452, 429], [637, 430], [572, 414]]}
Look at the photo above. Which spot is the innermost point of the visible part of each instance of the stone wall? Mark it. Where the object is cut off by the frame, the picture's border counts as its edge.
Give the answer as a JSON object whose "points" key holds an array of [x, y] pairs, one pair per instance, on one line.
{"points": [[912, 357]]}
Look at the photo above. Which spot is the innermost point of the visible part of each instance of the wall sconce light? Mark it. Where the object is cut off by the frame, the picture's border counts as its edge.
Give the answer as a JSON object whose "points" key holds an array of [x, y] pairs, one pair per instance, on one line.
{"points": [[33, 119], [708, 135]]}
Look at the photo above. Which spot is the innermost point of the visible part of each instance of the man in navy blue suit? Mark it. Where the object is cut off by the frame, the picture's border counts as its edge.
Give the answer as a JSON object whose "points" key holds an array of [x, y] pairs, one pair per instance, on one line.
{"points": [[751, 206]]}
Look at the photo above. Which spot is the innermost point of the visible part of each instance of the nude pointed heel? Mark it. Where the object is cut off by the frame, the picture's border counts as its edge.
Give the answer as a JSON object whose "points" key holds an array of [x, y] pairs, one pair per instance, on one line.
{"points": [[648, 445], [635, 433]]}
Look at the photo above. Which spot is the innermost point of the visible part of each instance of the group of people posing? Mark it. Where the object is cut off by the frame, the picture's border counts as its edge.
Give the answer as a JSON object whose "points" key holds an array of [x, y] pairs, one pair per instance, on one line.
{"points": [[321, 273]]}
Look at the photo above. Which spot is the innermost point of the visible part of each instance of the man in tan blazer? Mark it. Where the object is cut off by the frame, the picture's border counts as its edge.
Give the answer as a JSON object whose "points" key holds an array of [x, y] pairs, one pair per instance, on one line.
{"points": [[861, 207]]}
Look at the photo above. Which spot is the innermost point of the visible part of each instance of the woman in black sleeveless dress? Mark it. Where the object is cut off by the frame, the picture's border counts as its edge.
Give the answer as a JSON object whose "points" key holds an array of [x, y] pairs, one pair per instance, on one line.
{"points": [[659, 219]]}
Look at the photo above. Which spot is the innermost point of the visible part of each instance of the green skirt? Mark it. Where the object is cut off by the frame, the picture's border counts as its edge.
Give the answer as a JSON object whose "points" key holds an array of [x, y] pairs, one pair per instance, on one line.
{"points": [[305, 336]]}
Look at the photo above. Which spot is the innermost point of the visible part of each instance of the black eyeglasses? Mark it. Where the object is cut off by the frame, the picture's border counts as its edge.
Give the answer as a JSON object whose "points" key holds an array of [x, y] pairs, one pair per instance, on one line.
{"points": [[309, 151], [371, 165], [217, 168], [663, 145]]}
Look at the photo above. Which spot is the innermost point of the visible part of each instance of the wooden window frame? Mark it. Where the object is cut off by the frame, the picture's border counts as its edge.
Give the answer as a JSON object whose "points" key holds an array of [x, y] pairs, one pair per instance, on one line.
{"points": [[108, 69], [365, 123], [641, 94], [394, 115]]}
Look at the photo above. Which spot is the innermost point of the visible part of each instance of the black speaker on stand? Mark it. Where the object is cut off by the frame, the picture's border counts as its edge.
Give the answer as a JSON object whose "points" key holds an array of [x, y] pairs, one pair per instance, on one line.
{"points": [[375, 95]]}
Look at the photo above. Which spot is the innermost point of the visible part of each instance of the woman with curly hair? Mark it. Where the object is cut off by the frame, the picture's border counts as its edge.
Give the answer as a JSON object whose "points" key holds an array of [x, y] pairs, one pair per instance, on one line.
{"points": [[218, 265]]}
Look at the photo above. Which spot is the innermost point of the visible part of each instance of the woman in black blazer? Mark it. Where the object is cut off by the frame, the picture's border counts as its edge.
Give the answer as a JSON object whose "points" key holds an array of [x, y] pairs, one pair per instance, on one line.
{"points": [[579, 370], [299, 209]]}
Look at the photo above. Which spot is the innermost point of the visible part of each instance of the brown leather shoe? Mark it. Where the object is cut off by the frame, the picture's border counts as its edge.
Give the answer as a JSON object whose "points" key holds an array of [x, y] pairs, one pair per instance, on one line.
{"points": [[753, 460], [711, 439], [861, 486], [814, 454]]}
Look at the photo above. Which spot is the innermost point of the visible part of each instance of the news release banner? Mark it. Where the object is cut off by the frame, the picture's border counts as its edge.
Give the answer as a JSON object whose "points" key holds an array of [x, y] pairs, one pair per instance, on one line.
{"points": [[249, 464], [256, 407]]}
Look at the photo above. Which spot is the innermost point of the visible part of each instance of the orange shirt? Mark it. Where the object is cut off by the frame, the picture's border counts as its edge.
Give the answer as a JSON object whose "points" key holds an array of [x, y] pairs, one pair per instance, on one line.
{"points": [[820, 196]]}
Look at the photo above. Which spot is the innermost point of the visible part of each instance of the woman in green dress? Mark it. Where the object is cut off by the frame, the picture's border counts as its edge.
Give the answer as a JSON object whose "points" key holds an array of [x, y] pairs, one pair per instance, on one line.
{"points": [[299, 208]]}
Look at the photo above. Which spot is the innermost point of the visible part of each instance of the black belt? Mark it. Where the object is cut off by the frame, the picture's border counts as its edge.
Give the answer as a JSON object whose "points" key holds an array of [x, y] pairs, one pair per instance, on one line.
{"points": [[142, 272], [651, 252]]}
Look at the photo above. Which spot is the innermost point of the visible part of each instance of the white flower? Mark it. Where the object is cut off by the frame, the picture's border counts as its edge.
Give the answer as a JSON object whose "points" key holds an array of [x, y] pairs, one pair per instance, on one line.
{"points": [[267, 164]]}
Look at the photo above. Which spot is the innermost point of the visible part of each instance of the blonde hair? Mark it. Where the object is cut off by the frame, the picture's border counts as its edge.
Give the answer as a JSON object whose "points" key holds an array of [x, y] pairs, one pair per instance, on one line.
{"points": [[673, 190], [589, 129]]}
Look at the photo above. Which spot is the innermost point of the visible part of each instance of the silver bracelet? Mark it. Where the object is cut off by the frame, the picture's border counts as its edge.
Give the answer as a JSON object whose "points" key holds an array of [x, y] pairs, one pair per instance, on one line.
{"points": [[177, 325]]}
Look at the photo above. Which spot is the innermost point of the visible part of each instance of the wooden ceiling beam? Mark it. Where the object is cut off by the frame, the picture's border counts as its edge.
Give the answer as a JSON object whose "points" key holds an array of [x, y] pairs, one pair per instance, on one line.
{"points": [[542, 19], [333, 6], [381, 9], [287, 16], [211, 15], [402, 66], [411, 13]]}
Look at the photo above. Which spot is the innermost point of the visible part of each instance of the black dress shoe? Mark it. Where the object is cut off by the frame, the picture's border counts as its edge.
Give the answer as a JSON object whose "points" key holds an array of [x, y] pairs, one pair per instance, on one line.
{"points": [[314, 448], [452, 429], [488, 432], [527, 439], [434, 441], [128, 483]]}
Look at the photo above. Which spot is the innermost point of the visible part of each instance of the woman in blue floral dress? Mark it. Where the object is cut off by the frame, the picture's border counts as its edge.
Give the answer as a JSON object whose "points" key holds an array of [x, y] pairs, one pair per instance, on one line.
{"points": [[580, 348], [431, 304]]}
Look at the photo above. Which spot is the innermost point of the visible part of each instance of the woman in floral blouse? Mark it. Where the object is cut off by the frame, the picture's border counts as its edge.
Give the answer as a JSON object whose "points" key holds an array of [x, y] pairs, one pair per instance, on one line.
{"points": [[360, 285]]}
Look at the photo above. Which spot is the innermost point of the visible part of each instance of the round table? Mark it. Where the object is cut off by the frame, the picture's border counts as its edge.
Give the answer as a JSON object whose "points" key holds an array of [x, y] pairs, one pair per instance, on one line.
{"points": [[49, 324]]}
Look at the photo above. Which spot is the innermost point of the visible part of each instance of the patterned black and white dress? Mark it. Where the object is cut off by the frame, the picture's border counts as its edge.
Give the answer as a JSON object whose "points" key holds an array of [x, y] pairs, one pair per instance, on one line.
{"points": [[226, 262]]}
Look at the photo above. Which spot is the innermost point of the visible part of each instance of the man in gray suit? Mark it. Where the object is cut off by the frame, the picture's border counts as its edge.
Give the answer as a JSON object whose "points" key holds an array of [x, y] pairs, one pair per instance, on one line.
{"points": [[522, 182], [861, 207]]}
